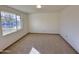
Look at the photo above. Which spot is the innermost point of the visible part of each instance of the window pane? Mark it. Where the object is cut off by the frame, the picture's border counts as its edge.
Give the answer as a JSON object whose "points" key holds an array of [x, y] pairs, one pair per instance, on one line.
{"points": [[18, 22], [8, 21]]}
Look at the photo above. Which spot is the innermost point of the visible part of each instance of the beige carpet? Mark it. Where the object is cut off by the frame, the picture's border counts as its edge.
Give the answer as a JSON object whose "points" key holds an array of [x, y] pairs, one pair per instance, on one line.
{"points": [[43, 43]]}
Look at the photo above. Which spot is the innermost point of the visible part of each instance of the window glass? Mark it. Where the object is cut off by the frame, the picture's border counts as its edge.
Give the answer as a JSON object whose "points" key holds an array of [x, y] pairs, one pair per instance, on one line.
{"points": [[10, 23], [18, 22]]}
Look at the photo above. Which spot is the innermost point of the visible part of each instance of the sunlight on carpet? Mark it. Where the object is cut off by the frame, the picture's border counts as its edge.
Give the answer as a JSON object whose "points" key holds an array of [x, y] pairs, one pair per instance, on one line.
{"points": [[34, 51]]}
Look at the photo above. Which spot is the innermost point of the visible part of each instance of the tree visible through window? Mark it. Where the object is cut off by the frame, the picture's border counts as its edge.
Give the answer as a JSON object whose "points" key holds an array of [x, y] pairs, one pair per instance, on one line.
{"points": [[10, 22]]}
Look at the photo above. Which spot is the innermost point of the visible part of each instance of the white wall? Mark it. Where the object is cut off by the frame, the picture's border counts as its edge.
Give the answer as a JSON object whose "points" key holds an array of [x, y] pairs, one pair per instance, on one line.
{"points": [[9, 39], [69, 25], [44, 23]]}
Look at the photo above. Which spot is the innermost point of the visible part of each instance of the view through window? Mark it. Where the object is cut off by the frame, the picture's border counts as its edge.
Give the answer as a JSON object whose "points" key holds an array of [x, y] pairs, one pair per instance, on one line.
{"points": [[10, 22]]}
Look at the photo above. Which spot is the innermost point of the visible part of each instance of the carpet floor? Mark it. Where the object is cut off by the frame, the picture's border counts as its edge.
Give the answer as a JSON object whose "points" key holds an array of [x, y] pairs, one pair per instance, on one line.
{"points": [[43, 43]]}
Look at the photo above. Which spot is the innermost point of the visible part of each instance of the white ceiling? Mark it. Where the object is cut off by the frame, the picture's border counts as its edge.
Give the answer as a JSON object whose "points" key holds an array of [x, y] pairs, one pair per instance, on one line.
{"points": [[33, 9]]}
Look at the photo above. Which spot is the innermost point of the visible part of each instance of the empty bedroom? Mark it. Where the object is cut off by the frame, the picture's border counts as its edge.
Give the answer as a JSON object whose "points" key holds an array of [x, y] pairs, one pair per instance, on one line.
{"points": [[39, 29]]}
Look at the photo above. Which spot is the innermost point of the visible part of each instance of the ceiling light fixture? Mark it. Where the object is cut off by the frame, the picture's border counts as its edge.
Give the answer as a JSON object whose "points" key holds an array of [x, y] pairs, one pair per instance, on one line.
{"points": [[38, 6]]}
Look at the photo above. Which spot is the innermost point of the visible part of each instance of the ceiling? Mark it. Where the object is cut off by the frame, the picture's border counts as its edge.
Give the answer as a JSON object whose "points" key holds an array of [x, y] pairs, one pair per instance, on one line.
{"points": [[33, 9]]}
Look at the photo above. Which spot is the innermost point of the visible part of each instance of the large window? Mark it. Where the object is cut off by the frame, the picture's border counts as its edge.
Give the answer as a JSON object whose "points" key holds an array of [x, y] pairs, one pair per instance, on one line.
{"points": [[10, 22]]}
